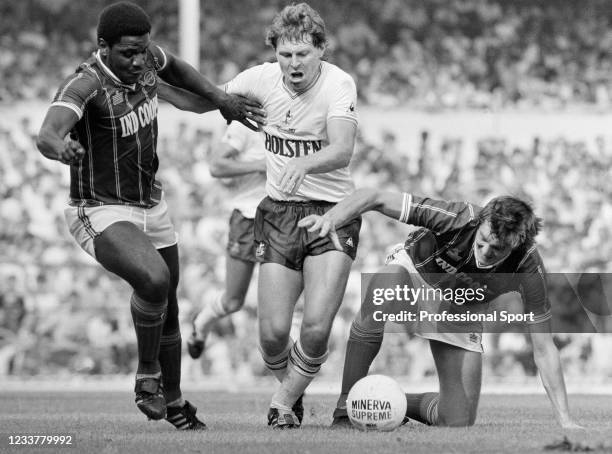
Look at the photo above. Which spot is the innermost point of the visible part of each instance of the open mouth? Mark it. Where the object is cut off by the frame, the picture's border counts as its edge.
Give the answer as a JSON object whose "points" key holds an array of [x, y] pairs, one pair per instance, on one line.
{"points": [[296, 74]]}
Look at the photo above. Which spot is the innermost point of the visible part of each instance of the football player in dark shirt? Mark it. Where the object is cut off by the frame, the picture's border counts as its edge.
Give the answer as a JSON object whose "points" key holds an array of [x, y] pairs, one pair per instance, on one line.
{"points": [[459, 246], [117, 212]]}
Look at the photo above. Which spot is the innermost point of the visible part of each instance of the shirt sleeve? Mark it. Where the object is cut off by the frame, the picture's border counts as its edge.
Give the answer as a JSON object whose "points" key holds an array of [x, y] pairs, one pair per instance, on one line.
{"points": [[76, 91], [245, 82], [534, 287], [439, 216], [158, 57], [343, 100], [235, 136]]}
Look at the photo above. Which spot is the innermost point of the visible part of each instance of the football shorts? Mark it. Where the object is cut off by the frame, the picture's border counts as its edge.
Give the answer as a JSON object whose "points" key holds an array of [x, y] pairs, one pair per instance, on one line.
{"points": [[241, 239], [86, 223], [466, 335], [280, 240]]}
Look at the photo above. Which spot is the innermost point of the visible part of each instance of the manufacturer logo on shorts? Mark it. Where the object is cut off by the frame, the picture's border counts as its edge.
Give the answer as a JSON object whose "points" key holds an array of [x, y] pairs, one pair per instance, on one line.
{"points": [[349, 242], [261, 249], [474, 337]]}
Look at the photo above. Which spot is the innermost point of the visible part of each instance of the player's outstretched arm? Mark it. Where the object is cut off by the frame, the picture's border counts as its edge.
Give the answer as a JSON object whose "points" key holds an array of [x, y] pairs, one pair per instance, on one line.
{"points": [[183, 99], [50, 140], [181, 74], [546, 357], [388, 203]]}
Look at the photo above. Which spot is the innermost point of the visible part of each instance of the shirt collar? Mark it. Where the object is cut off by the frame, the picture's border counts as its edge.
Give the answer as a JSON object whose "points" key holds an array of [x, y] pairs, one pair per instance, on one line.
{"points": [[488, 267], [110, 74]]}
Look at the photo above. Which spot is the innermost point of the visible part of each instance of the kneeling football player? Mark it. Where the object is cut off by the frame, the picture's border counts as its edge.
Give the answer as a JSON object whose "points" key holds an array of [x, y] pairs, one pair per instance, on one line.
{"points": [[458, 244]]}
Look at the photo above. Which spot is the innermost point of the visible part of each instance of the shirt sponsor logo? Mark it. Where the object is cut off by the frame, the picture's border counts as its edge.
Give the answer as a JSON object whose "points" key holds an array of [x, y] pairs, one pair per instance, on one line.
{"points": [[291, 148], [140, 118]]}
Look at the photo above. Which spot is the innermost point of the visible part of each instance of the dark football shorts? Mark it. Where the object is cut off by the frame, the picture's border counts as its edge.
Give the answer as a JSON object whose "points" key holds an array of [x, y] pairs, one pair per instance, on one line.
{"points": [[280, 240], [241, 241]]}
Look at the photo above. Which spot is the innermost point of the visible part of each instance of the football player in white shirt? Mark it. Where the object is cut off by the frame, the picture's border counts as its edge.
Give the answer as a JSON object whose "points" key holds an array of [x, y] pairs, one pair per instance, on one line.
{"points": [[240, 156], [309, 139]]}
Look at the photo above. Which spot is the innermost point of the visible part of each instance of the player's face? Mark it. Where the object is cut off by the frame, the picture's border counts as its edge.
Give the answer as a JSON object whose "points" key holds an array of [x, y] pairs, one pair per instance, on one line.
{"points": [[487, 247], [300, 62], [126, 58]]}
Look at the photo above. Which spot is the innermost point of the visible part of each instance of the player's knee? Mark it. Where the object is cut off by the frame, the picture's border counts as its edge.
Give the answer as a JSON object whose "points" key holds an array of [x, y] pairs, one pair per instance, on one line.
{"points": [[232, 305], [314, 339], [154, 283], [273, 341]]}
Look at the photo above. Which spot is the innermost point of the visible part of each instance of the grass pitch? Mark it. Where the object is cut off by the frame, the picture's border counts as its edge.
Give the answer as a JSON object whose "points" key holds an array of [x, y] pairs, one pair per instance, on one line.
{"points": [[109, 422]]}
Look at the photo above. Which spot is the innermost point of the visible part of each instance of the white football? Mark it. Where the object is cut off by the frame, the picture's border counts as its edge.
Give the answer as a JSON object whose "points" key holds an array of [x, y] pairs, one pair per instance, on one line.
{"points": [[376, 402]]}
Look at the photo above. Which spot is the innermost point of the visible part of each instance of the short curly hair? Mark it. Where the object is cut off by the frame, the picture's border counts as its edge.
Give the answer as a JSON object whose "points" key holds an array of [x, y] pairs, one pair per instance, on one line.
{"points": [[122, 19], [295, 22], [512, 220]]}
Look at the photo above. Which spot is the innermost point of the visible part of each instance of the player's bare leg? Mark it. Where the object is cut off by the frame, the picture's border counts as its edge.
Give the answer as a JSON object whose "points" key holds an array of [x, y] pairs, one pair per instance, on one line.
{"points": [[365, 338], [460, 376], [278, 291], [238, 275], [126, 251], [325, 278]]}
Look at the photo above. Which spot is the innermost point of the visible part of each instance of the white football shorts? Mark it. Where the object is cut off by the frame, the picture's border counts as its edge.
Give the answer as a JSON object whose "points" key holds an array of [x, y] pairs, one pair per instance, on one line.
{"points": [[440, 331], [86, 223]]}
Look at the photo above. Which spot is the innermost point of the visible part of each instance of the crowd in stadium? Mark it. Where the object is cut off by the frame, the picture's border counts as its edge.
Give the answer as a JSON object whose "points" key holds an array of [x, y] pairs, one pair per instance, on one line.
{"points": [[435, 54]]}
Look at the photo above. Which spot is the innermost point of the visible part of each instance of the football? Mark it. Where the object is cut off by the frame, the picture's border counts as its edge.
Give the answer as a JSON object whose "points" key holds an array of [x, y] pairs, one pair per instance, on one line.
{"points": [[376, 402]]}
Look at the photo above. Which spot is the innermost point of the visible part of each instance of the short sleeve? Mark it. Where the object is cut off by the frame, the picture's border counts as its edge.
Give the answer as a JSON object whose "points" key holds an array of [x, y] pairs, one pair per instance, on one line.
{"points": [[245, 82], [76, 91], [439, 216], [160, 60], [236, 136], [343, 101]]}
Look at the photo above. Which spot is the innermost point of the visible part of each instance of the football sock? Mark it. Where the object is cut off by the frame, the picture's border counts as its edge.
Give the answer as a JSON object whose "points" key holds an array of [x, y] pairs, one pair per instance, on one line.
{"points": [[170, 362], [209, 315], [423, 407], [278, 363], [300, 372], [361, 349], [148, 321], [180, 402]]}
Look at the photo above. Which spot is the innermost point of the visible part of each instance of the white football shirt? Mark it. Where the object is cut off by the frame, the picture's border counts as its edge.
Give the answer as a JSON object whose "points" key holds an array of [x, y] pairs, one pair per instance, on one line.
{"points": [[297, 124], [249, 188]]}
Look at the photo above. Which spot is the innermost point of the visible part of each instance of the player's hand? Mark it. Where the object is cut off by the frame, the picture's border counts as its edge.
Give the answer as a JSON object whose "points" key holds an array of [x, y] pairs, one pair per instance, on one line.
{"points": [[291, 176], [244, 110], [72, 153], [325, 225]]}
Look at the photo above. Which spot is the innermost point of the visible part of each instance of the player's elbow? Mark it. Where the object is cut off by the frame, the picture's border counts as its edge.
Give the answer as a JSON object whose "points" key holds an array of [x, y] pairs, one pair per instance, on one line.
{"points": [[43, 141]]}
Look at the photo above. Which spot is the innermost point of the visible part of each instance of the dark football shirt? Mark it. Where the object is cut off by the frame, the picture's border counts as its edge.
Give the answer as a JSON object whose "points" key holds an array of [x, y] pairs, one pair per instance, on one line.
{"points": [[443, 253], [117, 127]]}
